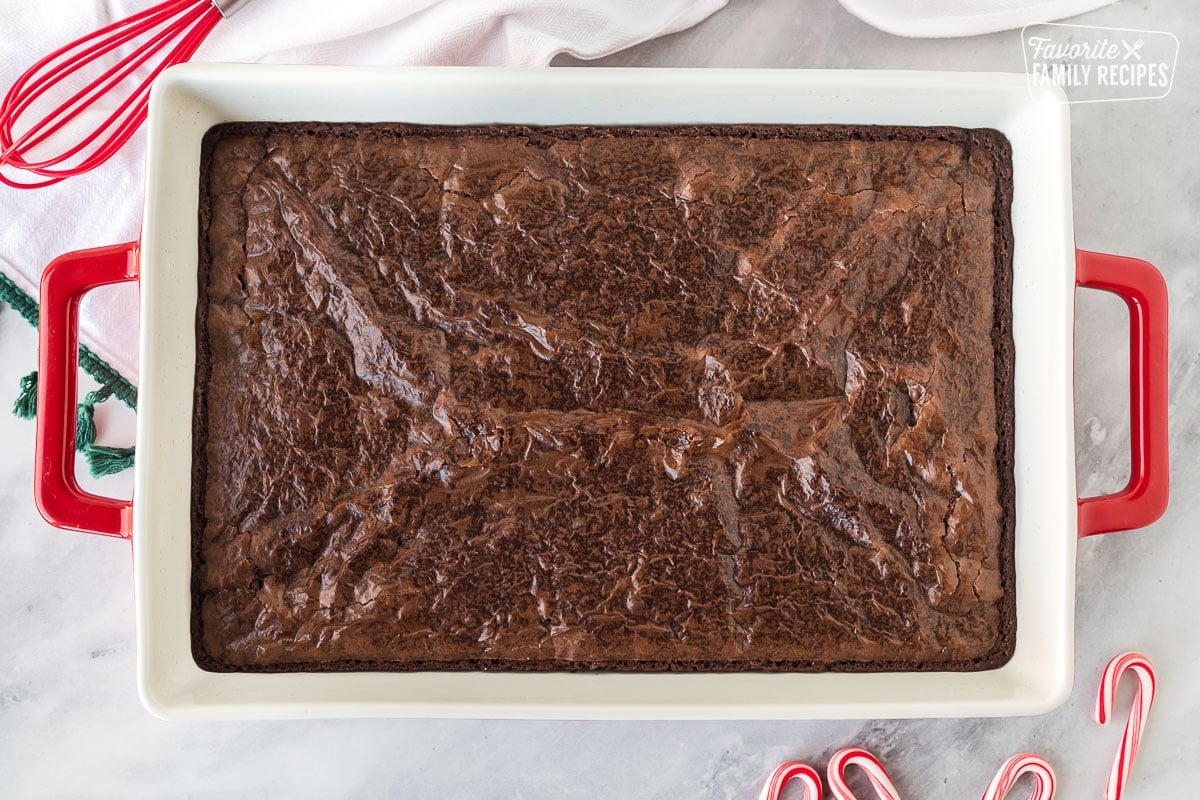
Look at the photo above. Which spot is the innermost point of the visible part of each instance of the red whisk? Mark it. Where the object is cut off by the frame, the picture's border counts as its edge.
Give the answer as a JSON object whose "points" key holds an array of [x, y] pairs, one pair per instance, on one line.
{"points": [[170, 32]]}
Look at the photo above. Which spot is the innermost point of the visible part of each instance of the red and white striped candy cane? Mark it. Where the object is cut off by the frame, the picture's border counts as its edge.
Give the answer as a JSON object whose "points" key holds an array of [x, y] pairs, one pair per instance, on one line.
{"points": [[854, 756], [1014, 768], [1135, 724], [790, 771]]}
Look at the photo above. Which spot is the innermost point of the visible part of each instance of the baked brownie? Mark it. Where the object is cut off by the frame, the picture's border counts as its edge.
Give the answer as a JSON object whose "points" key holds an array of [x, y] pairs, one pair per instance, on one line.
{"points": [[686, 398]]}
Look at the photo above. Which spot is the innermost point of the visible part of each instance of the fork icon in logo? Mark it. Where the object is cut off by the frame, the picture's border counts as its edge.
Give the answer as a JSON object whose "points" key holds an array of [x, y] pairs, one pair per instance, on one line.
{"points": [[1132, 49]]}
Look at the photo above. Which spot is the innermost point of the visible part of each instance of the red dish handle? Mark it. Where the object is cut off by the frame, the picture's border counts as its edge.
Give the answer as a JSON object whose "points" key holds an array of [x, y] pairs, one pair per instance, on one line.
{"points": [[1144, 498], [57, 493]]}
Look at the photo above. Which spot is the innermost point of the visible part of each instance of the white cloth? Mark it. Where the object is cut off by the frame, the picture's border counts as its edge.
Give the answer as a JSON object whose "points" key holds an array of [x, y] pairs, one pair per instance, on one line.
{"points": [[944, 18], [104, 206]]}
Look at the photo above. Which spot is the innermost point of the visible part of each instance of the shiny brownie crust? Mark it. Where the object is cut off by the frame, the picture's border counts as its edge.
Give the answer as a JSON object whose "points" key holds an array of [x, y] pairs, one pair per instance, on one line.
{"points": [[639, 399]]}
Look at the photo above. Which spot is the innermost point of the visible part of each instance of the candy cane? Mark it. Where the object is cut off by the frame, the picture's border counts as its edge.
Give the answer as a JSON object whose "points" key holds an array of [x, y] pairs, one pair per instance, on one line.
{"points": [[1135, 724], [789, 771], [869, 764], [1014, 768]]}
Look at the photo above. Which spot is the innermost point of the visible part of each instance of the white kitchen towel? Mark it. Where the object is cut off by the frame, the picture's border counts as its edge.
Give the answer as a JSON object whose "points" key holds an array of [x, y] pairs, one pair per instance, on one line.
{"points": [[104, 206], [944, 18]]}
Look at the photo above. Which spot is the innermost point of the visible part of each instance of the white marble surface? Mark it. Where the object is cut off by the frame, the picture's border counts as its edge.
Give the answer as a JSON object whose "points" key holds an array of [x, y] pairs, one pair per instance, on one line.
{"points": [[71, 725]]}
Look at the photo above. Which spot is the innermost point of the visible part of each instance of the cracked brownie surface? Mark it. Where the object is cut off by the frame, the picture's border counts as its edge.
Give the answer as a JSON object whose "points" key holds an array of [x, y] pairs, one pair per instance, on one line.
{"points": [[708, 398]]}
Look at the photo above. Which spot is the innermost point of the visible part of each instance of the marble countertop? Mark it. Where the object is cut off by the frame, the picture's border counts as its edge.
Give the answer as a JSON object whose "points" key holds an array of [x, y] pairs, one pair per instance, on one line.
{"points": [[71, 724]]}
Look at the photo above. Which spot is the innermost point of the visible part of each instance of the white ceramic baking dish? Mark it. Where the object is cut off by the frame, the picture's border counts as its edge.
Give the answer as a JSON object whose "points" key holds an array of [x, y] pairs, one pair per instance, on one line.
{"points": [[188, 100]]}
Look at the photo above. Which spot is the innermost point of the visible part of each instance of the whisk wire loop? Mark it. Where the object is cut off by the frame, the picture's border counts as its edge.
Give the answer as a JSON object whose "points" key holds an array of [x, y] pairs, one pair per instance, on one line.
{"points": [[172, 30]]}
